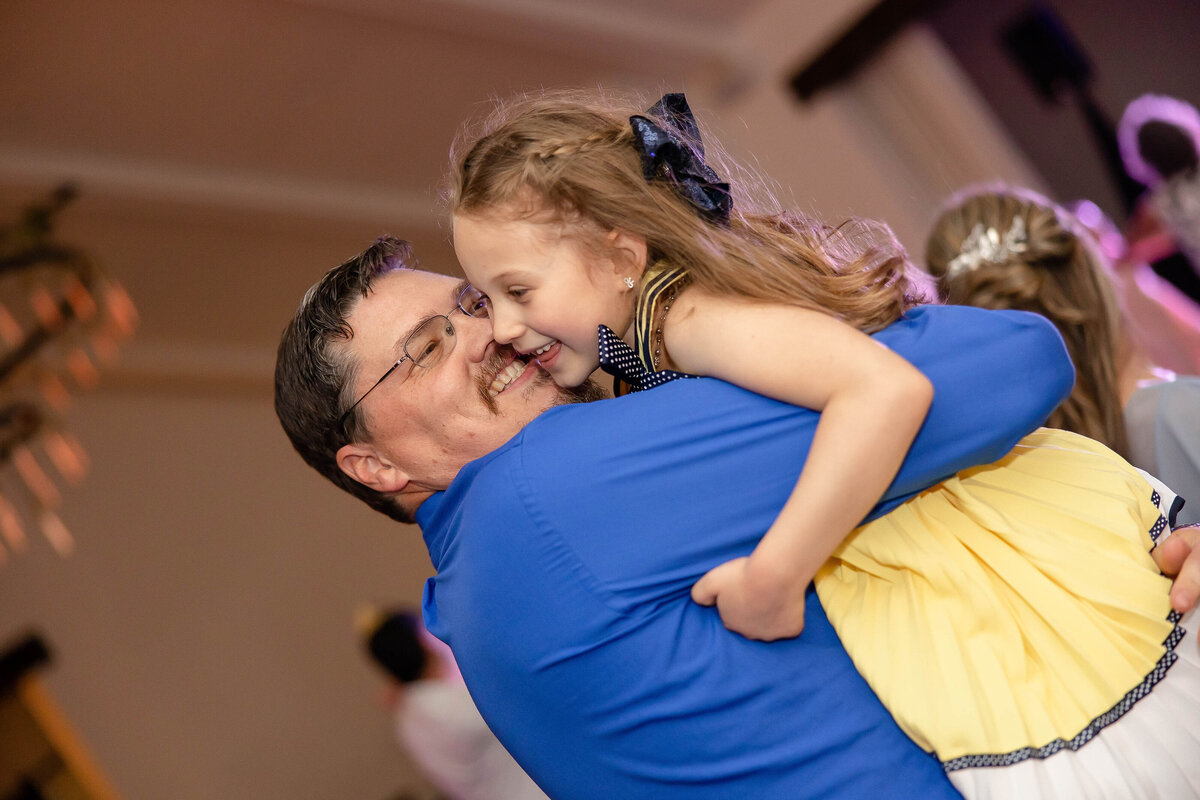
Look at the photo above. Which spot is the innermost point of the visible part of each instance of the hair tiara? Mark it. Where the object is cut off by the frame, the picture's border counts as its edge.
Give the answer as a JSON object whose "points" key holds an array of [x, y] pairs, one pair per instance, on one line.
{"points": [[987, 246]]}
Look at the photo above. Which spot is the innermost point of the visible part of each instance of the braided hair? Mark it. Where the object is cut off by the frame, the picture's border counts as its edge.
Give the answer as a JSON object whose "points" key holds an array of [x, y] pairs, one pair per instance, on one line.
{"points": [[569, 157], [1057, 274]]}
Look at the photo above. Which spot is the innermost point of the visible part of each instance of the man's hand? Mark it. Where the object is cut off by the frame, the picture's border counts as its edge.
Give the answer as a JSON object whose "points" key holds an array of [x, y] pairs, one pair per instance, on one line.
{"points": [[1179, 557], [758, 604]]}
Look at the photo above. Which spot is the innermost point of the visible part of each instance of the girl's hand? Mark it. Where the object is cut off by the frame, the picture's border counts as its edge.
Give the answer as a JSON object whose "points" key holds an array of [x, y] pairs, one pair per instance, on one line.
{"points": [[757, 603]]}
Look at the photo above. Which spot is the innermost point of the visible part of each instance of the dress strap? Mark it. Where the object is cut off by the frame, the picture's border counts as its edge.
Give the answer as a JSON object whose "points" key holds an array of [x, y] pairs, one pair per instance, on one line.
{"points": [[659, 279]]}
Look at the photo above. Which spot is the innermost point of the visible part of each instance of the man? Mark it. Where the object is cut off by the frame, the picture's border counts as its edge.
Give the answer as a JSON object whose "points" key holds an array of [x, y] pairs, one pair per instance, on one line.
{"points": [[319, 362], [566, 551]]}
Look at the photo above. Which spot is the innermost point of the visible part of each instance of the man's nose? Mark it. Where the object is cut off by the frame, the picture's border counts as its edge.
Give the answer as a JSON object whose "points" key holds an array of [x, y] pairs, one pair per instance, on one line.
{"points": [[475, 337]]}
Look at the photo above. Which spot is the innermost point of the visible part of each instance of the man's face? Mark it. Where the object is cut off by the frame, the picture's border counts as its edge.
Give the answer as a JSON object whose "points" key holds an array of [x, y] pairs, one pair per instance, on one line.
{"points": [[425, 424]]}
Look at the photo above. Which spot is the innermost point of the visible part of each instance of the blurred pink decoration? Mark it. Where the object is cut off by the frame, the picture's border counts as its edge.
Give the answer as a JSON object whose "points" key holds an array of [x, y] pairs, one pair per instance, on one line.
{"points": [[1162, 320]]}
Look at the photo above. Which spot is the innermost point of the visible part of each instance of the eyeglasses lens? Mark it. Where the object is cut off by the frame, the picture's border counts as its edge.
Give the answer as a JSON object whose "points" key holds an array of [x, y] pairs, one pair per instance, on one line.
{"points": [[430, 343], [473, 303]]}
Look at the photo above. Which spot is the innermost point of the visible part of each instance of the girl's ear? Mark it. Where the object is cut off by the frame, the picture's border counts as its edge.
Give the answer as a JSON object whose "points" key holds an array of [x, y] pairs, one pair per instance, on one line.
{"points": [[629, 253]]}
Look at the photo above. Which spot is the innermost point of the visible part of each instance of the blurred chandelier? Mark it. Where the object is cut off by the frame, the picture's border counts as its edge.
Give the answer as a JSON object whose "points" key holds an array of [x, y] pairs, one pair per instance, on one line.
{"points": [[61, 318]]}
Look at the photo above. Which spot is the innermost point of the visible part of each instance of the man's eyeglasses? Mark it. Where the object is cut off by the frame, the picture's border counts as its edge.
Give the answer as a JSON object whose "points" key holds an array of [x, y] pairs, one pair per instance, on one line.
{"points": [[432, 341]]}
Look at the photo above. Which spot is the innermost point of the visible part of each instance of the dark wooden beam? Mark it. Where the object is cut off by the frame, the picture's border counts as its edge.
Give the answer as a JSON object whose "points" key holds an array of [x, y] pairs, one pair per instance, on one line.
{"points": [[858, 44]]}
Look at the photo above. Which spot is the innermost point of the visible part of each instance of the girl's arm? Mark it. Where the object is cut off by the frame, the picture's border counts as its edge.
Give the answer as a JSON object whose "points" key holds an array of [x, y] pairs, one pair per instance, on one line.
{"points": [[872, 404]]}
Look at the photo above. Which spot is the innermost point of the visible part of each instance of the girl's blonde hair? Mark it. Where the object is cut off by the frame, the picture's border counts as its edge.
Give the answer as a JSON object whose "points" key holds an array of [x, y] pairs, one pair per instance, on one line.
{"points": [[569, 157], [1056, 272]]}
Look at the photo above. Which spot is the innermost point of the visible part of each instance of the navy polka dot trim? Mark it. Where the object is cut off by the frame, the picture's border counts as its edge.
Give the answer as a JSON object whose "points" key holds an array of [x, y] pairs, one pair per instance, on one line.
{"points": [[1166, 521], [619, 360], [1095, 726], [1156, 532]]}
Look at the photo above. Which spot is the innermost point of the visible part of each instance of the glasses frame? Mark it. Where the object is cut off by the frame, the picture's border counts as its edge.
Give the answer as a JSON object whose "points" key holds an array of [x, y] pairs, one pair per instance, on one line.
{"points": [[482, 313]]}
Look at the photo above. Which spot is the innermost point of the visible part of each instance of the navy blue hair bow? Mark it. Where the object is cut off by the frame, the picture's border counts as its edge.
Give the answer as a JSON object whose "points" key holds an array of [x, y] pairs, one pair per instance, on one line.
{"points": [[674, 153]]}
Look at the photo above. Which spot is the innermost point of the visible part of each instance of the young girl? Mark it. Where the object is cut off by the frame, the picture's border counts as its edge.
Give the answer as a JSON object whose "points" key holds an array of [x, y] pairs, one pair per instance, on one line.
{"points": [[1121, 398], [1005, 615]]}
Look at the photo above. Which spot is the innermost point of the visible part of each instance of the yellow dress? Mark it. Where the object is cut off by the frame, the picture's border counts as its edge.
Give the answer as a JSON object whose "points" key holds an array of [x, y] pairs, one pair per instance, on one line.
{"points": [[1012, 611]]}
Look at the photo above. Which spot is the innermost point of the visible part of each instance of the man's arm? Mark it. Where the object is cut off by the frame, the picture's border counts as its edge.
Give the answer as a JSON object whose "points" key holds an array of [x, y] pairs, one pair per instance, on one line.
{"points": [[1179, 557], [719, 461], [997, 375]]}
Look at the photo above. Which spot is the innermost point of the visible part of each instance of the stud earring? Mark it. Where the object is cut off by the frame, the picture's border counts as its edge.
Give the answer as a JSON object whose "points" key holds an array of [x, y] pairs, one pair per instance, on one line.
{"points": [[629, 282]]}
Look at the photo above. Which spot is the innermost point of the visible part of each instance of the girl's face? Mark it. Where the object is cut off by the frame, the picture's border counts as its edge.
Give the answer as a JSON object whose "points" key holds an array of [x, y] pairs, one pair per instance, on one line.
{"points": [[547, 292]]}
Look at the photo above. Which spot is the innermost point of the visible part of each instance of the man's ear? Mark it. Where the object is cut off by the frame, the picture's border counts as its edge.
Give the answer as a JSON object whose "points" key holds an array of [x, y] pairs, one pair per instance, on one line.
{"points": [[628, 251], [362, 463]]}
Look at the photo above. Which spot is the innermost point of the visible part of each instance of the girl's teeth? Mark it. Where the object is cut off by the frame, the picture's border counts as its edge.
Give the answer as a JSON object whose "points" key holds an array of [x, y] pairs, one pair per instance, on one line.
{"points": [[543, 349]]}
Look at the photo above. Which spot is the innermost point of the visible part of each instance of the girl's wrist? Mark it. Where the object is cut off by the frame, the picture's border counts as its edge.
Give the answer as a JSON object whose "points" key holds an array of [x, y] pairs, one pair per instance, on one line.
{"points": [[769, 568]]}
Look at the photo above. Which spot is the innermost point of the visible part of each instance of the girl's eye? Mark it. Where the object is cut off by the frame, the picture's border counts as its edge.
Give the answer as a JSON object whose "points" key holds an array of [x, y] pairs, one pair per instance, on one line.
{"points": [[517, 294]]}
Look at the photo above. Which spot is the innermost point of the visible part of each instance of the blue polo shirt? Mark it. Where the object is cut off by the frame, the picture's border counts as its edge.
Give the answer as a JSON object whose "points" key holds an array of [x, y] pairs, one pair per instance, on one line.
{"points": [[566, 558]]}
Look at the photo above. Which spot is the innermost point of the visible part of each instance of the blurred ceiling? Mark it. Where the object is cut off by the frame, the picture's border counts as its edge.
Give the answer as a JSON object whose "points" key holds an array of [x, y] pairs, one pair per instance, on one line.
{"points": [[228, 151]]}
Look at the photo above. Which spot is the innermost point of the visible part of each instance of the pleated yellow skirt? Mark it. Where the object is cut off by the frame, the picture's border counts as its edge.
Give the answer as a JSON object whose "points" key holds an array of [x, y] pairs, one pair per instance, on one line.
{"points": [[1013, 611]]}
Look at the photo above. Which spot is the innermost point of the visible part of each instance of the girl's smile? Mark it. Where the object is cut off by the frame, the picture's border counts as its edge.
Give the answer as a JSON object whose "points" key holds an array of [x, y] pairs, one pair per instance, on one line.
{"points": [[548, 291], [547, 354]]}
